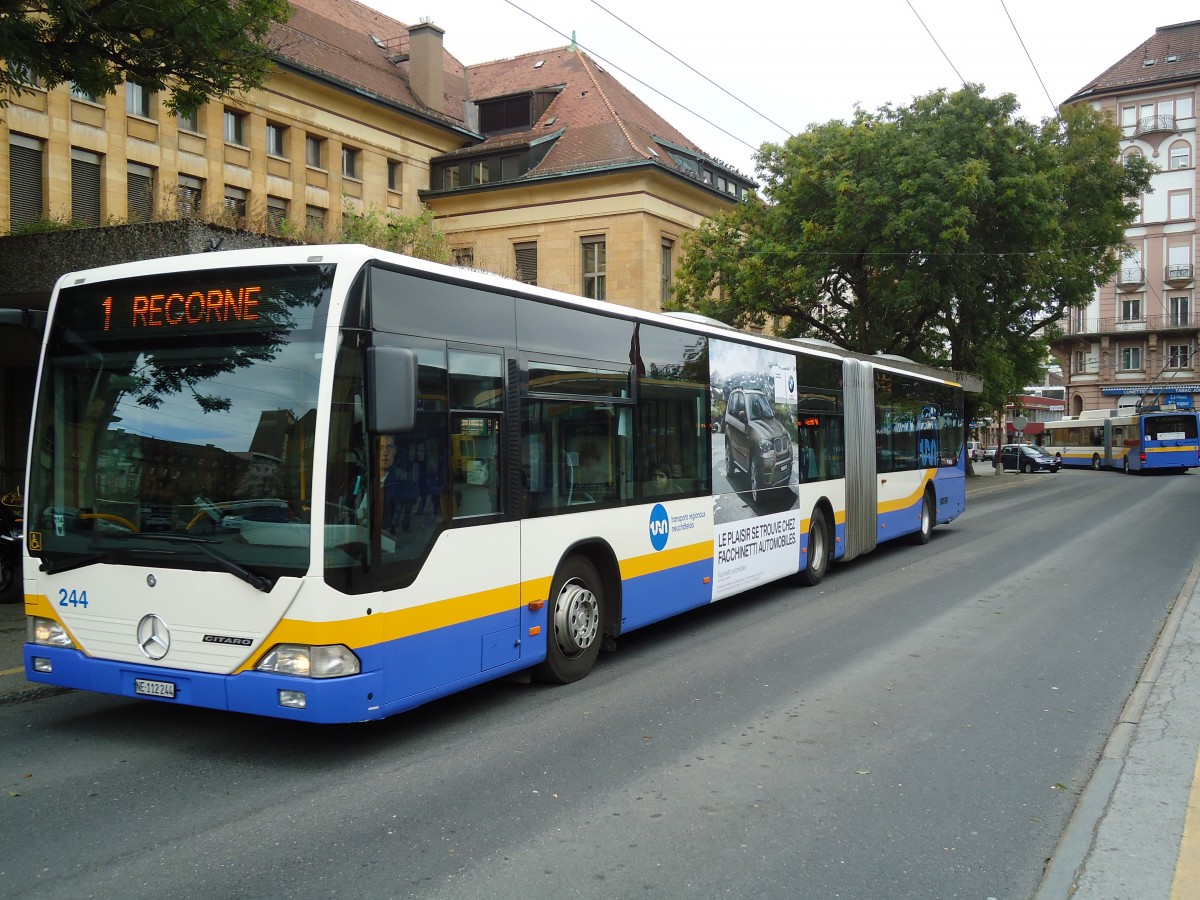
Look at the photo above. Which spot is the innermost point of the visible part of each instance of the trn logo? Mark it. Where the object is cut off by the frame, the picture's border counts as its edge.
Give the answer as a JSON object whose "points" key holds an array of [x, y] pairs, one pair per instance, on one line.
{"points": [[660, 526]]}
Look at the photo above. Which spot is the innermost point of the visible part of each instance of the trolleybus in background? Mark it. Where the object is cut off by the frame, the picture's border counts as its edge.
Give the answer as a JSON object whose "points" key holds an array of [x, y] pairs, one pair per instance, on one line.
{"points": [[1160, 440], [331, 484]]}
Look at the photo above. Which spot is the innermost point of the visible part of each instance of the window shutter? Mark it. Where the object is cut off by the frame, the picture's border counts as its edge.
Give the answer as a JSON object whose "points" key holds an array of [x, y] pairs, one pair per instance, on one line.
{"points": [[527, 263], [141, 193], [85, 187], [25, 182]]}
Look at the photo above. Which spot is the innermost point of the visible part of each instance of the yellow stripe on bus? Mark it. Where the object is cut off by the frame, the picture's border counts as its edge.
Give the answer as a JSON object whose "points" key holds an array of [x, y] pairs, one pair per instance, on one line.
{"points": [[909, 501]]}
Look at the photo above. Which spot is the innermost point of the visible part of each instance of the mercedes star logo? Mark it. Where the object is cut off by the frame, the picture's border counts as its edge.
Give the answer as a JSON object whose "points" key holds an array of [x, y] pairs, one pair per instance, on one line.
{"points": [[153, 637]]}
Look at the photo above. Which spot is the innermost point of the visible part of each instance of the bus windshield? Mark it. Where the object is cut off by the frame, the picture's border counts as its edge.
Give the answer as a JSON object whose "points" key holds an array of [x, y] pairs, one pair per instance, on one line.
{"points": [[176, 421]]}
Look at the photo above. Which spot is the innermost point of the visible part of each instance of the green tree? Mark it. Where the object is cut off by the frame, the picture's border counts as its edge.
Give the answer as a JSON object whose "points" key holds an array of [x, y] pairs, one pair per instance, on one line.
{"points": [[950, 231], [195, 49]]}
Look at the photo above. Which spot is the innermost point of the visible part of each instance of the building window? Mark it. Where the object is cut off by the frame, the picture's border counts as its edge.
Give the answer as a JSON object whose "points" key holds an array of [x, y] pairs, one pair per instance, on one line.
{"points": [[395, 175], [188, 121], [85, 187], [463, 256], [1181, 155], [314, 152], [594, 268], [510, 168], [277, 208], [451, 178], [140, 189], [277, 140], [1179, 205], [1179, 356], [351, 162], [1131, 309], [191, 191], [667, 269], [1080, 361], [235, 127], [480, 172], [137, 99], [527, 262], [79, 93], [235, 202], [1179, 310], [26, 192], [314, 220], [1131, 358]]}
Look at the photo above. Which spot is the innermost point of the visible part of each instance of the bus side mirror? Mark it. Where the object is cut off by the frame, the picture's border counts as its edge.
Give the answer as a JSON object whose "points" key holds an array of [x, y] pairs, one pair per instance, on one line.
{"points": [[391, 390]]}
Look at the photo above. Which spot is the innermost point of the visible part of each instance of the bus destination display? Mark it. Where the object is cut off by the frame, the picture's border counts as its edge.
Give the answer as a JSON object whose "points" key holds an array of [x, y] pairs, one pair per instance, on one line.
{"points": [[209, 308]]}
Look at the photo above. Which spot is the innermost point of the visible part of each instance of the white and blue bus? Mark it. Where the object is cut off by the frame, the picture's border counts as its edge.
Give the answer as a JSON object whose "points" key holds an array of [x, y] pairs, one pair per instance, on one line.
{"points": [[331, 484], [1160, 440]]}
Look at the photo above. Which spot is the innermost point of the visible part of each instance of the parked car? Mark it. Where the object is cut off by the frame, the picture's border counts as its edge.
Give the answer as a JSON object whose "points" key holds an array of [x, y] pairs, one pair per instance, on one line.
{"points": [[1027, 458], [989, 453], [756, 441], [974, 451]]}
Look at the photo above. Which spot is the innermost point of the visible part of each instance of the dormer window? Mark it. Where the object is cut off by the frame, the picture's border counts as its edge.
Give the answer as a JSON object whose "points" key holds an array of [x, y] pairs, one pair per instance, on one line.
{"points": [[515, 113]]}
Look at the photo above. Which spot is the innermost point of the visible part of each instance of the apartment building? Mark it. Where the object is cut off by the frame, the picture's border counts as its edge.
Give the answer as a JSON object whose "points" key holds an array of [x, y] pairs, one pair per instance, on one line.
{"points": [[1136, 342], [543, 167]]}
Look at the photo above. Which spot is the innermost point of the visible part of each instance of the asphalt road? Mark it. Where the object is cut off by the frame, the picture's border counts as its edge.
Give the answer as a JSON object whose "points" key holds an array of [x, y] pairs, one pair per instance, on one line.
{"points": [[920, 725]]}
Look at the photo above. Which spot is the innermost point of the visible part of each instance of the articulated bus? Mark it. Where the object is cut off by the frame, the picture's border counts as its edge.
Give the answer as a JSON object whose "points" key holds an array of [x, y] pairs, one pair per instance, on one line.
{"points": [[1164, 440], [330, 484]]}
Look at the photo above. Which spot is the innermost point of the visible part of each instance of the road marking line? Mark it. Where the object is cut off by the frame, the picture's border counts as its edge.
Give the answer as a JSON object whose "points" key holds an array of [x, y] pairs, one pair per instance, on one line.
{"points": [[19, 670], [1187, 870]]}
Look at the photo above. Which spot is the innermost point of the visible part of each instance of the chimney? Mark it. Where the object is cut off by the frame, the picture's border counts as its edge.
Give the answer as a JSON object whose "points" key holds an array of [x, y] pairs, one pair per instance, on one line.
{"points": [[426, 65]]}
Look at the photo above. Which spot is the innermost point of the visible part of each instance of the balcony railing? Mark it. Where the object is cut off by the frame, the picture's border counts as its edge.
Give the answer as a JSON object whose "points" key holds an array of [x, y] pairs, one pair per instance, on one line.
{"points": [[1159, 322], [1178, 274], [1131, 276], [1151, 124]]}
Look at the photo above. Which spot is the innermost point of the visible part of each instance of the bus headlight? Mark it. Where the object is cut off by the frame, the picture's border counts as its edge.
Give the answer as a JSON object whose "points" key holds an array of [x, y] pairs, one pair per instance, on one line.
{"points": [[304, 661], [46, 632]]}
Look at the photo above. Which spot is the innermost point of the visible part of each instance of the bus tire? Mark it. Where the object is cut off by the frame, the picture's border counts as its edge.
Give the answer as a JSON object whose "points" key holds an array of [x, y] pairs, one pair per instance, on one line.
{"points": [[923, 534], [574, 621], [820, 550]]}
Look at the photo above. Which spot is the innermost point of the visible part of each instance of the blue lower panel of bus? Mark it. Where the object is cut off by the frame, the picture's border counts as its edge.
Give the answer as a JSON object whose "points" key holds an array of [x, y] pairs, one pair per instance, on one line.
{"points": [[419, 668], [659, 595], [328, 700]]}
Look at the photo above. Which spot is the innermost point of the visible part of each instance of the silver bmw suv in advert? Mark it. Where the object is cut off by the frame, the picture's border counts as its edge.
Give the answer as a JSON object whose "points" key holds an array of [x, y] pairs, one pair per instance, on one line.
{"points": [[756, 441]]}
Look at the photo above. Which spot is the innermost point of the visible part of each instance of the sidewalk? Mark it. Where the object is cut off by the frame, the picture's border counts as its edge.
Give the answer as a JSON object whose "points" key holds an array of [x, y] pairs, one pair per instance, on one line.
{"points": [[1135, 832]]}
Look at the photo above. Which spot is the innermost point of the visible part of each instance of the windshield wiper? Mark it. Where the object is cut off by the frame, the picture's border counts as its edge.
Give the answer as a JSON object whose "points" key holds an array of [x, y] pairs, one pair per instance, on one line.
{"points": [[67, 563], [259, 582]]}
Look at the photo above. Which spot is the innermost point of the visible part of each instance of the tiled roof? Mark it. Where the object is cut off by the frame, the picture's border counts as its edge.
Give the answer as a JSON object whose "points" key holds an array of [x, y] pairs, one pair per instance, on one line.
{"points": [[603, 123], [337, 38], [1175, 51], [599, 123]]}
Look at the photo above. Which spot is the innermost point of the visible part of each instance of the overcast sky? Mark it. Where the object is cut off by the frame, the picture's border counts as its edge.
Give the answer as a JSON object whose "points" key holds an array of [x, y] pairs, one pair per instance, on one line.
{"points": [[767, 68]]}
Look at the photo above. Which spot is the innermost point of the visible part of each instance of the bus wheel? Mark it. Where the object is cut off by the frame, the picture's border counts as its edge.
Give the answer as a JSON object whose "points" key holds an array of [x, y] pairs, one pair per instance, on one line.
{"points": [[925, 532], [1095, 462], [575, 617], [816, 560]]}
